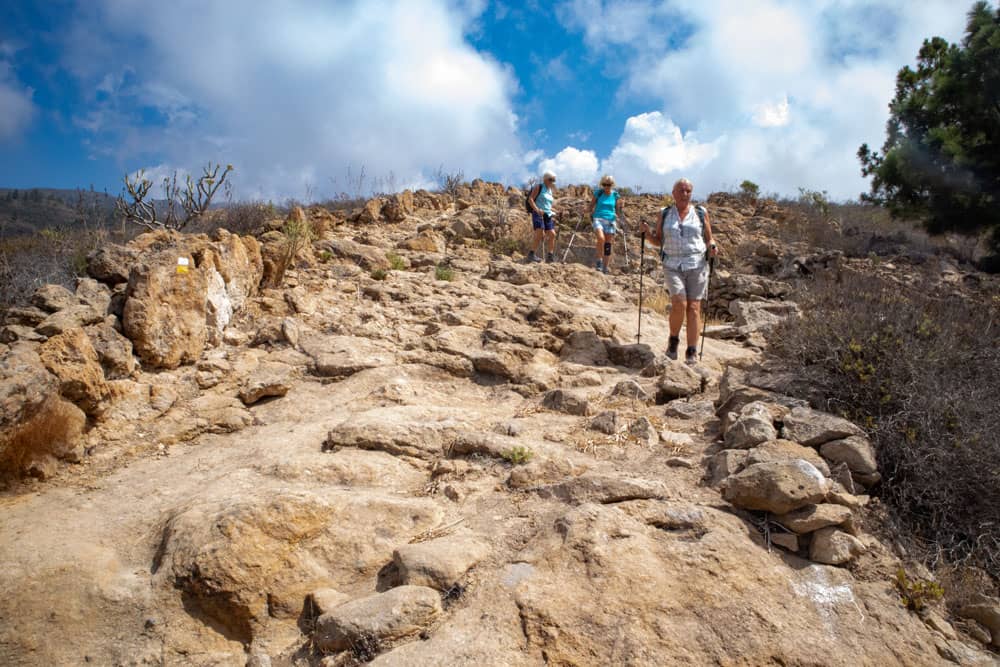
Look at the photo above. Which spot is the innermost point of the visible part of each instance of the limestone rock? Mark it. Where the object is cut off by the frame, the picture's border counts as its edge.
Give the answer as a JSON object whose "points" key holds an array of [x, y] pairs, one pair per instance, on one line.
{"points": [[584, 347], [71, 357], [855, 451], [221, 414], [985, 610], [113, 350], [53, 298], [237, 560], [813, 428], [751, 428], [111, 263], [606, 422], [165, 311], [596, 488], [834, 547], [73, 317], [341, 356], [778, 487], [567, 400], [423, 242], [678, 380], [786, 450], [269, 379], [813, 517], [94, 294], [643, 430], [439, 563], [725, 463], [634, 355], [411, 430], [367, 257], [631, 389], [324, 600], [381, 618]]}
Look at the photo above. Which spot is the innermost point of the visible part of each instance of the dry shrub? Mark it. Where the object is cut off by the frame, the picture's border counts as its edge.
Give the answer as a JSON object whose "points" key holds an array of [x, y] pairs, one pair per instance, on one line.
{"points": [[657, 299], [513, 237], [922, 375], [247, 218], [52, 431]]}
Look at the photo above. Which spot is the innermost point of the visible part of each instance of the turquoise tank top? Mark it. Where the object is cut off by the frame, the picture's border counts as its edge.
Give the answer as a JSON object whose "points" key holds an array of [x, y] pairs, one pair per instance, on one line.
{"points": [[606, 204], [544, 199]]}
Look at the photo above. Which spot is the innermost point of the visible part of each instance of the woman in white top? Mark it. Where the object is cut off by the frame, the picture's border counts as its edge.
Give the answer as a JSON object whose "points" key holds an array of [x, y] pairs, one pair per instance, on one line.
{"points": [[684, 233]]}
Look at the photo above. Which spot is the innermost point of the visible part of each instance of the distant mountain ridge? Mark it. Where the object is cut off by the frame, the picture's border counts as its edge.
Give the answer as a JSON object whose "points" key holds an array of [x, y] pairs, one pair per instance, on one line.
{"points": [[27, 211]]}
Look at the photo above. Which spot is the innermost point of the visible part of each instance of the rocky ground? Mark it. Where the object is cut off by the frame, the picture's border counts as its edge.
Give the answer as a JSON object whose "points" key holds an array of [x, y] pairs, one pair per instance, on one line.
{"points": [[481, 470]]}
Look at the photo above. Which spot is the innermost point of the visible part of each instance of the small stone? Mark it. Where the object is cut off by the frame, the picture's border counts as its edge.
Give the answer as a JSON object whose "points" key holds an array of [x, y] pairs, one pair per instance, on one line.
{"points": [[567, 401], [631, 389], [725, 463], [690, 410], [857, 452], [397, 613], [680, 462], [325, 600], [677, 380], [452, 493], [588, 379], [269, 380], [634, 355], [813, 517], [787, 541], [644, 431], [834, 547], [752, 427], [606, 422], [934, 621]]}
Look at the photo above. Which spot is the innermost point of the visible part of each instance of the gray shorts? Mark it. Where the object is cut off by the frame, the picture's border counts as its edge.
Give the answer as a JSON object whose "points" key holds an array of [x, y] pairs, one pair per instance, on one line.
{"points": [[692, 284]]}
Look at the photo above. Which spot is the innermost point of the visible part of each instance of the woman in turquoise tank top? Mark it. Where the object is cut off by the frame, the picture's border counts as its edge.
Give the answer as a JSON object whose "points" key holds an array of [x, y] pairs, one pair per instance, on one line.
{"points": [[605, 207]]}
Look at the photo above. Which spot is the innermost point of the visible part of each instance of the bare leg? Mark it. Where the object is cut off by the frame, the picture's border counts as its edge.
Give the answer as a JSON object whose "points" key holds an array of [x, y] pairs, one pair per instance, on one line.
{"points": [[537, 241], [607, 258], [693, 322], [678, 306], [551, 236], [598, 244]]}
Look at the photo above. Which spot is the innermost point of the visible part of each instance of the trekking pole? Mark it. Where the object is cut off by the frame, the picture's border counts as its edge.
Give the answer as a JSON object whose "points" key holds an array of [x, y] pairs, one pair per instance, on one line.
{"points": [[642, 253], [704, 314], [572, 237], [625, 240]]}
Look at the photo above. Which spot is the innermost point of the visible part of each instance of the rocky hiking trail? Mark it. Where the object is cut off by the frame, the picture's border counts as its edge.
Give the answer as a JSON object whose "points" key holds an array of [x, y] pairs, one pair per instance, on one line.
{"points": [[411, 471]]}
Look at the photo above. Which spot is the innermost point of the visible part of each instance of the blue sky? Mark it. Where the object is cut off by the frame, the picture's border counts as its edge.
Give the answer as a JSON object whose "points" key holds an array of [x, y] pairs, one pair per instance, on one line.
{"points": [[301, 95]]}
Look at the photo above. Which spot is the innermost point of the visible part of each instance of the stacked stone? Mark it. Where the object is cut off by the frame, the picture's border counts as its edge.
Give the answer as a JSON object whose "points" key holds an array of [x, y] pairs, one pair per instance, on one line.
{"points": [[807, 469]]}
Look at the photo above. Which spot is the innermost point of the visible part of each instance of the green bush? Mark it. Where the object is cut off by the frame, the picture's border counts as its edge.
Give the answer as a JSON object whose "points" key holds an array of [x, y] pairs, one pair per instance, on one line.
{"points": [[917, 594], [379, 274], [749, 190], [518, 455], [921, 373], [442, 272], [396, 263]]}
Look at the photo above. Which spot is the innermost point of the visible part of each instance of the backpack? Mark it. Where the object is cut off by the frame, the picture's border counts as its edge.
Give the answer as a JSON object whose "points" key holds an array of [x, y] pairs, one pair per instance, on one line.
{"points": [[700, 210], [527, 197]]}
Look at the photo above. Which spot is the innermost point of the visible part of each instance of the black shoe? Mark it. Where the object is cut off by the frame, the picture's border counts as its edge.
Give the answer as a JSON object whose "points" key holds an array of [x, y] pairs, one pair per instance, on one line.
{"points": [[691, 356], [532, 257], [672, 347], [550, 257]]}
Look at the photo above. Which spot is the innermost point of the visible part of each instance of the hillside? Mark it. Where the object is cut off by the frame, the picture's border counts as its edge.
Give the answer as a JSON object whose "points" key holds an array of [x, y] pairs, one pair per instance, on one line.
{"points": [[32, 210], [376, 437]]}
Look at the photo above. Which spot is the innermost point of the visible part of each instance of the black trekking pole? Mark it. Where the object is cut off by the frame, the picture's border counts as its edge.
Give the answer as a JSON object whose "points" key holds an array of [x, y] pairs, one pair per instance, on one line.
{"points": [[704, 311], [642, 254]]}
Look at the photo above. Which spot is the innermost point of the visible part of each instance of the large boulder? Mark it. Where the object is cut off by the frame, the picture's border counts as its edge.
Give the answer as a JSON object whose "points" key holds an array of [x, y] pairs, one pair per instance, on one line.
{"points": [[777, 487], [786, 450], [111, 263], [71, 357], [984, 610], [677, 380], [165, 310], [855, 451], [370, 622], [114, 351]]}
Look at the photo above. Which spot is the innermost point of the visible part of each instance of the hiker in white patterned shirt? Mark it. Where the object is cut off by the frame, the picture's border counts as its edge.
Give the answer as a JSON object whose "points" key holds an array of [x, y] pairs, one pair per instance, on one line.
{"points": [[684, 234]]}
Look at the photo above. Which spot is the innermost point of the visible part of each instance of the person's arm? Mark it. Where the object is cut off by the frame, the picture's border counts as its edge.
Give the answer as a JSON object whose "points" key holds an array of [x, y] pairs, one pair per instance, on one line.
{"points": [[713, 249], [532, 196], [653, 235]]}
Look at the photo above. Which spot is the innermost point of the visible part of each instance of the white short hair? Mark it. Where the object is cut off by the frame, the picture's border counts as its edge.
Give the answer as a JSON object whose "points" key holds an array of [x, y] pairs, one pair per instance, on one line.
{"points": [[547, 175], [679, 181], [606, 178]]}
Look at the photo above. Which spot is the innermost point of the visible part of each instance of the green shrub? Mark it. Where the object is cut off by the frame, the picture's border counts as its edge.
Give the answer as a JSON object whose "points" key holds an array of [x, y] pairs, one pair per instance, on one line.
{"points": [[442, 272], [379, 274], [396, 263], [917, 594], [921, 374], [749, 190], [518, 455], [325, 256]]}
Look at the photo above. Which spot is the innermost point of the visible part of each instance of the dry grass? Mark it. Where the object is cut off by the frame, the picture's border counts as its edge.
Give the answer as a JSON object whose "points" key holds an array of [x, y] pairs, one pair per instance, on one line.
{"points": [[51, 431]]}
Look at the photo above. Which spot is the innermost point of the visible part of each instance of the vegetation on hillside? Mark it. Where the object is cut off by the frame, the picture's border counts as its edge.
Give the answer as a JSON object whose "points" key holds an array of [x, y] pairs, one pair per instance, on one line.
{"points": [[941, 157]]}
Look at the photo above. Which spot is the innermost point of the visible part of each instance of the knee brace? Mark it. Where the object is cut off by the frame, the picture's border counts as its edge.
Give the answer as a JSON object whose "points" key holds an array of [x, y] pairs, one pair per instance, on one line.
{"points": [[607, 248]]}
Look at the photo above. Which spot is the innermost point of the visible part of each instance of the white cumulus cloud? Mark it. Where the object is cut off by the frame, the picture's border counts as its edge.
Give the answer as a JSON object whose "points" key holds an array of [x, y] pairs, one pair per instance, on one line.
{"points": [[571, 165], [294, 94], [16, 105], [771, 115]]}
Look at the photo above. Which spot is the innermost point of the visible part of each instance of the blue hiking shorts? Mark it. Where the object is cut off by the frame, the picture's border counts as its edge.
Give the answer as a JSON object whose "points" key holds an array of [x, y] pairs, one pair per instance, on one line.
{"points": [[606, 226], [546, 222]]}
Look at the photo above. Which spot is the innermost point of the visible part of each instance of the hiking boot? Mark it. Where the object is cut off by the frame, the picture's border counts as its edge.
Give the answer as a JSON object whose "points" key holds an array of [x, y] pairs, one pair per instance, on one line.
{"points": [[691, 356], [532, 257], [672, 347], [550, 257], [604, 269], [599, 265]]}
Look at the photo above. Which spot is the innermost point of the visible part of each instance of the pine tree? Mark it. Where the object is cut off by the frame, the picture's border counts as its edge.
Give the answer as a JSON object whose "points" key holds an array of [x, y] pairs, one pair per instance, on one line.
{"points": [[941, 158]]}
